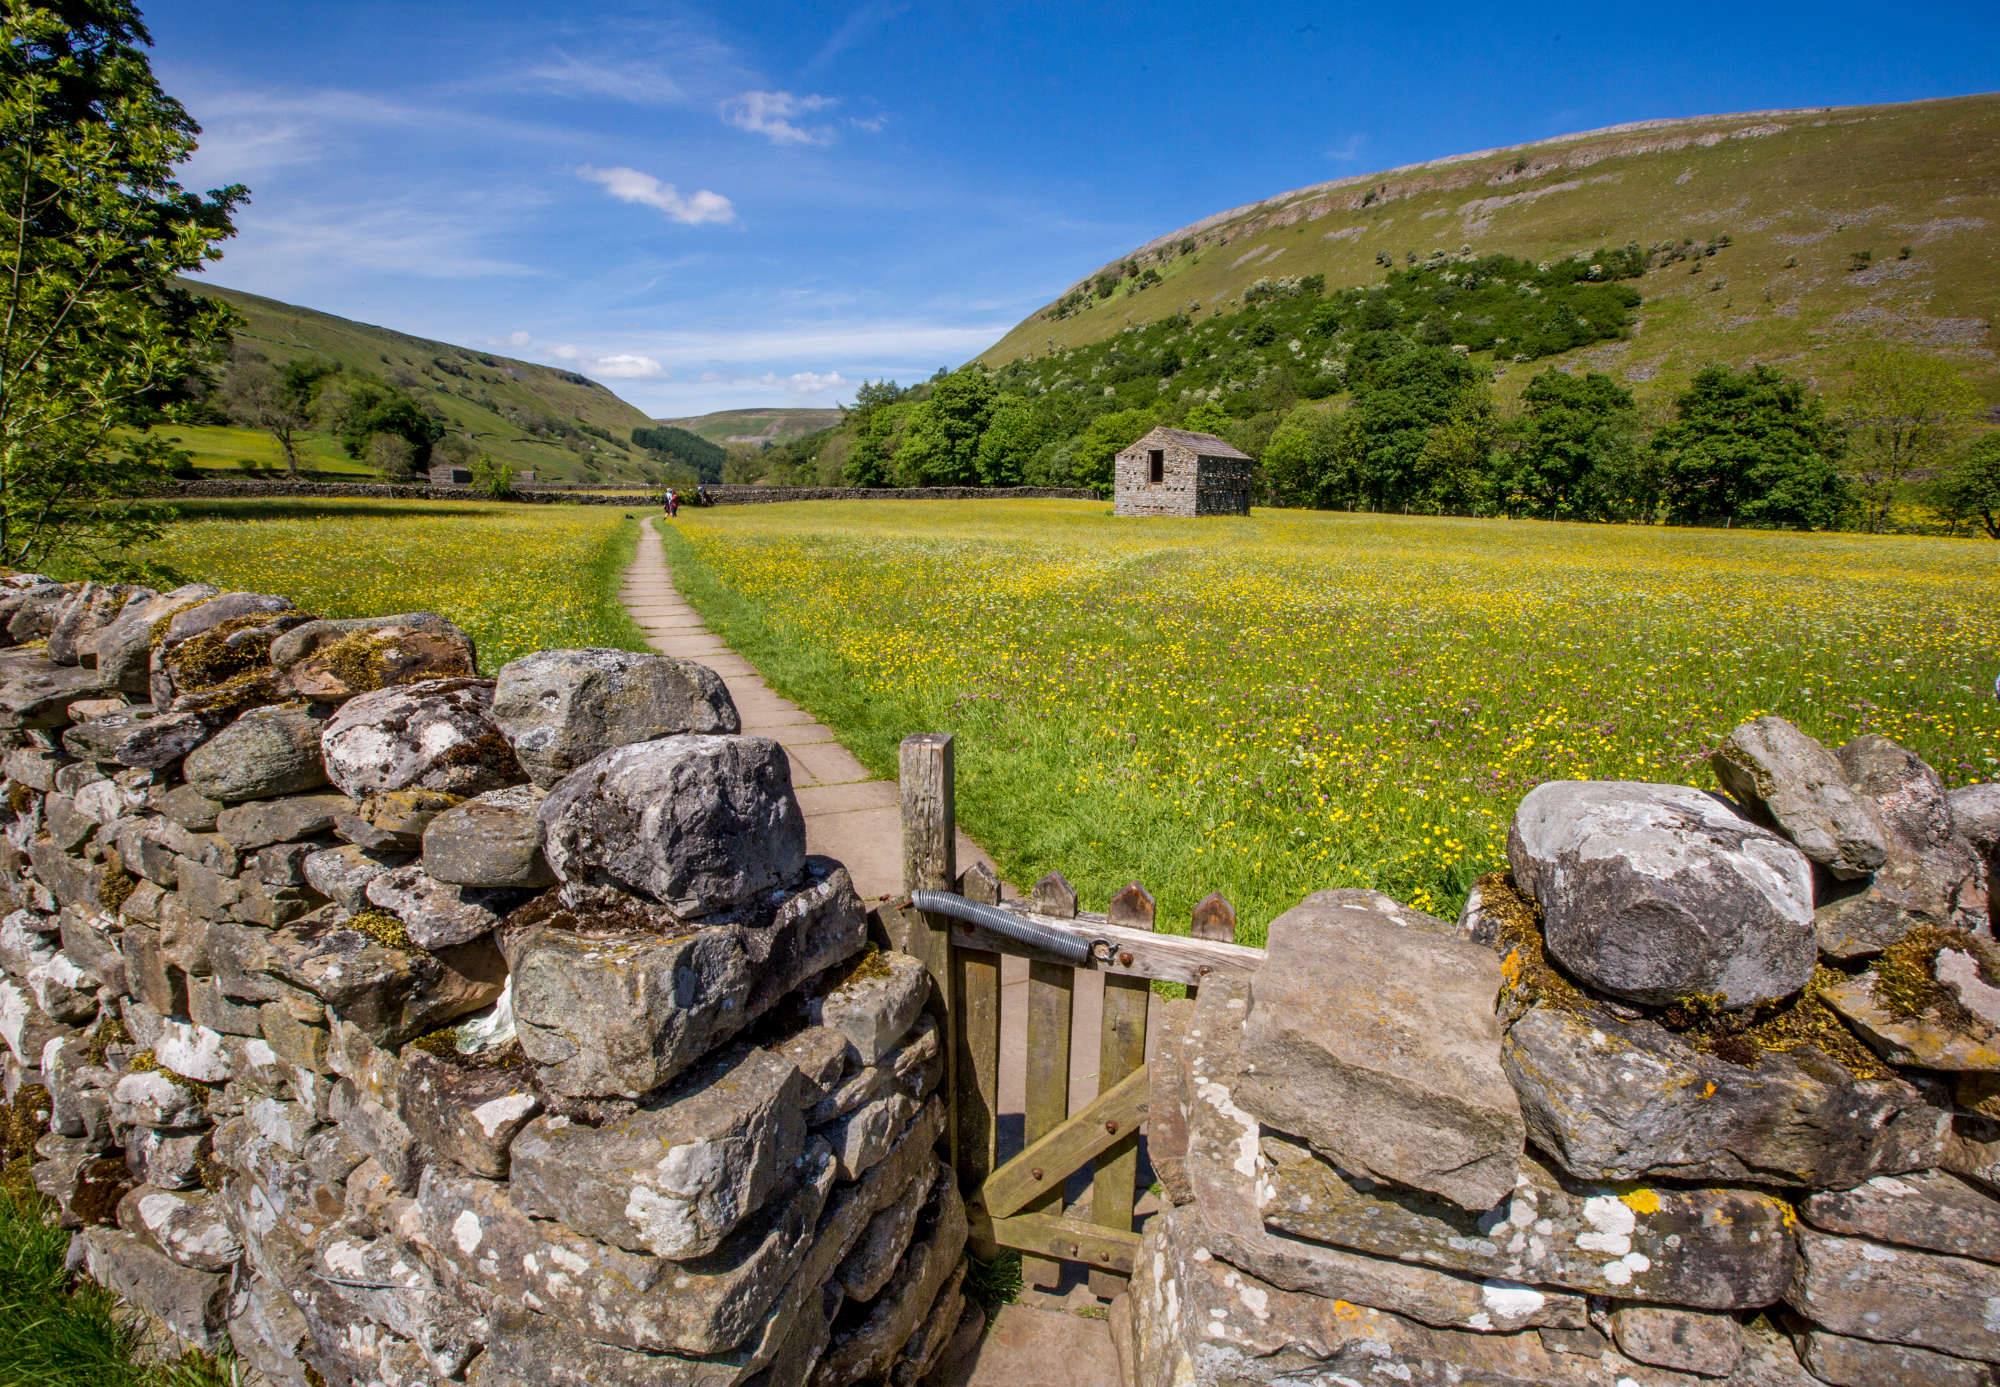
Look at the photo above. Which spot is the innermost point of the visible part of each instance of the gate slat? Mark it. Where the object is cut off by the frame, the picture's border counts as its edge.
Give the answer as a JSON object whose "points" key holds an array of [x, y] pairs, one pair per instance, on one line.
{"points": [[976, 977], [1051, 988], [1121, 1049]]}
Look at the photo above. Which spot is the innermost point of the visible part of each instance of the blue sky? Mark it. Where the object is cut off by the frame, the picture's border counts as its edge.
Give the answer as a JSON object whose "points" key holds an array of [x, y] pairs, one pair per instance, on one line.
{"points": [[716, 206]]}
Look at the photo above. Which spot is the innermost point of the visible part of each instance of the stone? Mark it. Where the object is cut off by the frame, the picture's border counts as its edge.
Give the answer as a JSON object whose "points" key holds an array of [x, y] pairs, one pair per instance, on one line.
{"points": [[124, 646], [1200, 1320], [289, 819], [561, 709], [679, 1173], [1615, 1099], [1777, 770], [31, 610], [91, 608], [492, 840], [189, 1227], [342, 874], [1610, 1094], [379, 1134], [1389, 1064], [874, 1003], [138, 737], [37, 694], [1720, 1249], [435, 914], [186, 1301], [84, 1183], [463, 1110], [435, 735], [149, 1098], [210, 1009], [1667, 1337], [391, 993], [265, 752], [864, 1348], [195, 1052], [1849, 1362], [1929, 1210], [1931, 876], [617, 999], [331, 661], [1869, 1290], [1975, 814], [1654, 893], [879, 1251], [1226, 1182], [913, 1070], [698, 823], [1951, 1023], [190, 809]]}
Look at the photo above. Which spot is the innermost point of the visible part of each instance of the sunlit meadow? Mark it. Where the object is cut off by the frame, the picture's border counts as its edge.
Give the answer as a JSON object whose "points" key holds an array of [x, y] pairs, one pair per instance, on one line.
{"points": [[516, 578], [1303, 700]]}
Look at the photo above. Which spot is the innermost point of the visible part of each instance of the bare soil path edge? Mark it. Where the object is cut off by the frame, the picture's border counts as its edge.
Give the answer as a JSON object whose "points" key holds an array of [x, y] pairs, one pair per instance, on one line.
{"points": [[855, 818]]}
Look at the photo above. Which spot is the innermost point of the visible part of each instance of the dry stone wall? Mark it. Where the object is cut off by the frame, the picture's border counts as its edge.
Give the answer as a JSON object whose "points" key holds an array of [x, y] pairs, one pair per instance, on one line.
{"points": [[1702, 1089], [399, 1026]]}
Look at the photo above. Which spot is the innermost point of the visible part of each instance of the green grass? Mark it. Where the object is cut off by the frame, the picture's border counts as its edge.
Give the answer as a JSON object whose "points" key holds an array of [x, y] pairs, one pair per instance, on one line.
{"points": [[62, 1331], [1797, 193], [1302, 700], [221, 448], [494, 401], [516, 578], [772, 425]]}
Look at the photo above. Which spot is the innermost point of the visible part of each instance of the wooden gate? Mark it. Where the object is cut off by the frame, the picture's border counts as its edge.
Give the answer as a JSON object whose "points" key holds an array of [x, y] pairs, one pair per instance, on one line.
{"points": [[959, 927]]}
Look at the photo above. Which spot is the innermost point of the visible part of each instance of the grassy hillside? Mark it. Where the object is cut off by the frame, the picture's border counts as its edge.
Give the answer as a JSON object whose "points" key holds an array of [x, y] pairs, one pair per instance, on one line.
{"points": [[757, 426], [1802, 197], [563, 425]]}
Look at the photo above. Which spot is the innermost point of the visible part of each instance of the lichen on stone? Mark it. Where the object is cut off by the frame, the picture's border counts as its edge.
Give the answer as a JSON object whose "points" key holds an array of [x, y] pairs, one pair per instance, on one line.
{"points": [[1804, 1022], [20, 798], [109, 1031], [213, 657], [1905, 976], [1524, 960], [116, 886], [148, 1062], [383, 928]]}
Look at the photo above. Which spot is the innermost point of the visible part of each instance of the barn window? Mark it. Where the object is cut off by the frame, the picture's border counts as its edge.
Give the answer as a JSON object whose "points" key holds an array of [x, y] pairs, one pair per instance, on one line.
{"points": [[1156, 466]]}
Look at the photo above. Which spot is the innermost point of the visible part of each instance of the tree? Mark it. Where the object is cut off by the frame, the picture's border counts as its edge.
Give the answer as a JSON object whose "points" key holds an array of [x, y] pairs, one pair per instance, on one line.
{"points": [[1103, 439], [1970, 488], [393, 455], [1312, 457], [97, 340], [1573, 453], [941, 445], [1752, 447], [1903, 412], [371, 407], [280, 402], [1400, 402], [492, 477], [1012, 436]]}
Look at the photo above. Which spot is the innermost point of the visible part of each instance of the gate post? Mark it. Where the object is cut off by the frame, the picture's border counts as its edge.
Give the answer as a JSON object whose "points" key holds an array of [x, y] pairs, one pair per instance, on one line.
{"points": [[926, 774]]}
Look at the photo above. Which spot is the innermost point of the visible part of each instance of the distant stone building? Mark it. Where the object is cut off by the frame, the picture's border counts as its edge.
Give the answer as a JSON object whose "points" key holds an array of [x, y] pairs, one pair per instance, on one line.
{"points": [[1175, 472], [444, 474]]}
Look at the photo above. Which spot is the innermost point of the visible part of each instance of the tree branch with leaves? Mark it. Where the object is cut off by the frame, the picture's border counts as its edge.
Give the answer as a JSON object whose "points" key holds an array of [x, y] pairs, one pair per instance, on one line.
{"points": [[98, 340]]}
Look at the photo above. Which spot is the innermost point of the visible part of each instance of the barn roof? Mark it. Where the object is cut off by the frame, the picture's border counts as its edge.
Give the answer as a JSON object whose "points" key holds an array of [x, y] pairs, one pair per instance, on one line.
{"points": [[1203, 444]]}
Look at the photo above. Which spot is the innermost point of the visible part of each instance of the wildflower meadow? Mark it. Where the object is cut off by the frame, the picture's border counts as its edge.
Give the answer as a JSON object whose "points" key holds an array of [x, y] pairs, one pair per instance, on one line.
{"points": [[515, 578], [1305, 700]]}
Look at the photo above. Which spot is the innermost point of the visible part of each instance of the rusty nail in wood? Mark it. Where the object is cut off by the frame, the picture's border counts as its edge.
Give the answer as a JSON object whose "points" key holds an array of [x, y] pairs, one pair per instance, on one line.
{"points": [[1036, 1172], [1112, 1126], [1125, 957]]}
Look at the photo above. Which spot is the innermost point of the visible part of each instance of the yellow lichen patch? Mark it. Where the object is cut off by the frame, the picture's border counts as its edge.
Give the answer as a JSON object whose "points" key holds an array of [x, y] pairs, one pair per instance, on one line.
{"points": [[1905, 978], [109, 1031], [116, 886], [383, 928], [225, 651], [1804, 1022], [869, 965], [20, 798], [1642, 1201], [1525, 964]]}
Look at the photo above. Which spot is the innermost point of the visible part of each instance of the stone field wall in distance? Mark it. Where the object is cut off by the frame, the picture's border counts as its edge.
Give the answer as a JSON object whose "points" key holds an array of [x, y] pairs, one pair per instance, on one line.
{"points": [[404, 1027], [1735, 1117]]}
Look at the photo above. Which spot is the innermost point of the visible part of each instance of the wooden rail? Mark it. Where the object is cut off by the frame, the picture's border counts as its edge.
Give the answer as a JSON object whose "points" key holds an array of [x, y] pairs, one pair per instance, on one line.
{"points": [[1020, 1205]]}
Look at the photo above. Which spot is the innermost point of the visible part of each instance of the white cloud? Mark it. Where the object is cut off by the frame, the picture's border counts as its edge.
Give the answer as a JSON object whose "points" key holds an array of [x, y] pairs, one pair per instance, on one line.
{"points": [[1348, 150], [859, 22], [518, 339], [874, 125], [624, 366], [690, 209], [642, 84], [807, 382], [776, 115]]}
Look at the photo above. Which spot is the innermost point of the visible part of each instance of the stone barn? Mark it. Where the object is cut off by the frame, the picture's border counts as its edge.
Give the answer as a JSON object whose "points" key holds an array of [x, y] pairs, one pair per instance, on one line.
{"points": [[1176, 472]]}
